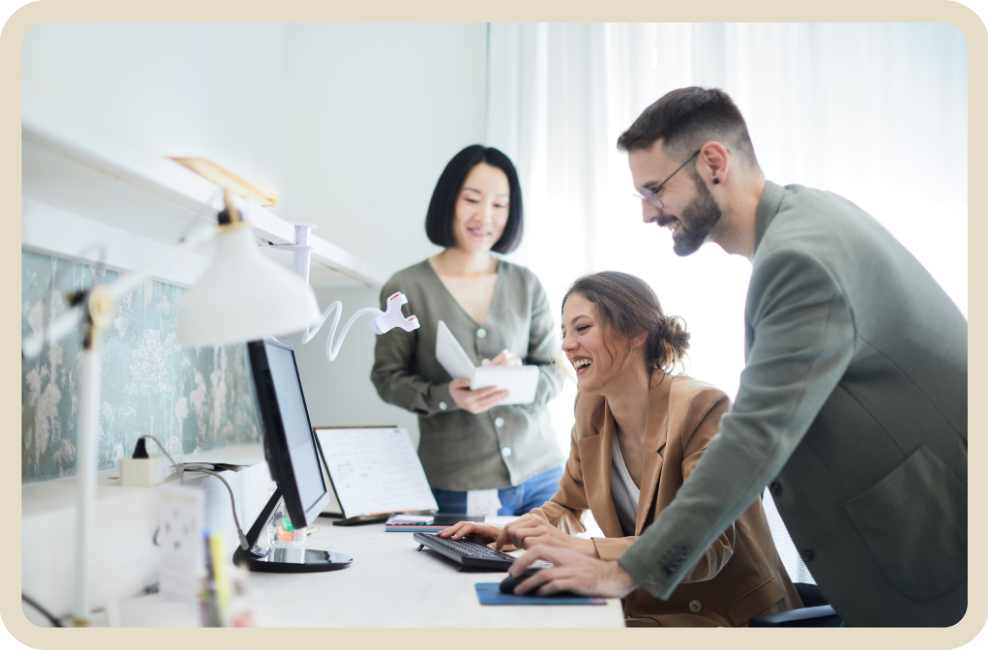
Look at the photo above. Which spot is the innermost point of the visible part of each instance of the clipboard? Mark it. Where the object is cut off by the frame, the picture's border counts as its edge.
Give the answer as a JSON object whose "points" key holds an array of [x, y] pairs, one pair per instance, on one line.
{"points": [[520, 383], [374, 472]]}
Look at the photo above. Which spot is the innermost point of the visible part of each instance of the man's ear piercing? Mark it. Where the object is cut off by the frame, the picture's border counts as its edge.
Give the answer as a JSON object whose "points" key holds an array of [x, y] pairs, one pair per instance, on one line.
{"points": [[716, 181]]}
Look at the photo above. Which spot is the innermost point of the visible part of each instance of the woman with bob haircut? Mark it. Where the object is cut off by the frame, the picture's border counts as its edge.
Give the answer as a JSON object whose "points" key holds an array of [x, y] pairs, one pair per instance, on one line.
{"points": [[471, 447], [639, 433]]}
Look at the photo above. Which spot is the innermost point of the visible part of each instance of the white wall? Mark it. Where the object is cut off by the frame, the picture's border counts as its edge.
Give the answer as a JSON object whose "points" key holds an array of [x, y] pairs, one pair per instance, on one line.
{"points": [[352, 123], [372, 115], [175, 89], [341, 393]]}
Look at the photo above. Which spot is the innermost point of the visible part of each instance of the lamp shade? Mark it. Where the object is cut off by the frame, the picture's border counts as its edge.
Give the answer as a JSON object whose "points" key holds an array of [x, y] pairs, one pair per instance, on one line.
{"points": [[244, 296]]}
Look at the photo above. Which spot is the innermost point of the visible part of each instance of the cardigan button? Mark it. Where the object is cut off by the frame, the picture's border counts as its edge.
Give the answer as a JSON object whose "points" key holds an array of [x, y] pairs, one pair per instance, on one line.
{"points": [[442, 406], [695, 606], [499, 422], [775, 489], [807, 554], [481, 333], [506, 452]]}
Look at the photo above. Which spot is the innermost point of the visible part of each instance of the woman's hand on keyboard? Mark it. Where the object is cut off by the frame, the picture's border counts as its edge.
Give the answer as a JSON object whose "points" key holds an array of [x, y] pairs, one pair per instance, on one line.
{"points": [[532, 529], [478, 532]]}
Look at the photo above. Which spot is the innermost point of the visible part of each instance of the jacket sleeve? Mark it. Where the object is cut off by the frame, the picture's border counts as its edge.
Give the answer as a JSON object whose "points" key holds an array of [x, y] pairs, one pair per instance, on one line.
{"points": [[393, 374], [543, 348], [717, 554], [803, 341], [565, 509]]}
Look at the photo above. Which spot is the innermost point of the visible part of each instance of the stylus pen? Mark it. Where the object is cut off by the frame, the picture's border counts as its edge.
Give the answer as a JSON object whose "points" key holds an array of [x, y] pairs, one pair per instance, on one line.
{"points": [[487, 361]]}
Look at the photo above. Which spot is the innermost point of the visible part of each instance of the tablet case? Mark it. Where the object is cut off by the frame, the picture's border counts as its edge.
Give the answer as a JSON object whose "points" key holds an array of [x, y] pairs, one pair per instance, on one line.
{"points": [[519, 382]]}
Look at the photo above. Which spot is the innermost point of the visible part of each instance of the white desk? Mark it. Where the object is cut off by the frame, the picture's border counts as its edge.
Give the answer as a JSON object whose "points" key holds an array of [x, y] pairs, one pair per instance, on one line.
{"points": [[391, 584]]}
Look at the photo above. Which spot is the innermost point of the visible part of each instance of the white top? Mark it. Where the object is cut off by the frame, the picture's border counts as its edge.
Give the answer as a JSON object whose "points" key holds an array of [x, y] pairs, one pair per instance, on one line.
{"points": [[624, 492]]}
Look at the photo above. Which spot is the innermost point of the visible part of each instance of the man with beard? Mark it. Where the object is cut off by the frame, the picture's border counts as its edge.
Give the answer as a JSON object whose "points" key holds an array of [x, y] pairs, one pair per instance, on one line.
{"points": [[852, 407]]}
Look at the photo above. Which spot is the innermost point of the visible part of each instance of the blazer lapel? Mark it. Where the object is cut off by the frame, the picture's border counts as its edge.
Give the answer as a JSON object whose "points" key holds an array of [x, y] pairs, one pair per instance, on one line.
{"points": [[656, 434], [595, 459]]}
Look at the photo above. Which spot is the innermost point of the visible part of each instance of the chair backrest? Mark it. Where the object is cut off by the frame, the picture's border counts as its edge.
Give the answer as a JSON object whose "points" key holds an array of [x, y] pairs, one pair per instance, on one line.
{"points": [[810, 594], [788, 553]]}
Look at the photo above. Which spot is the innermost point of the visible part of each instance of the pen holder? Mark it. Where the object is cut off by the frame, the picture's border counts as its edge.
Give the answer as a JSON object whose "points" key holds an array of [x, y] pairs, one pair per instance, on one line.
{"points": [[281, 532]]}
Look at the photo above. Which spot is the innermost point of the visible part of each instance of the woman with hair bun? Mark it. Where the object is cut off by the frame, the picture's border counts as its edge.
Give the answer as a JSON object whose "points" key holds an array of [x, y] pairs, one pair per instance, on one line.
{"points": [[639, 432]]}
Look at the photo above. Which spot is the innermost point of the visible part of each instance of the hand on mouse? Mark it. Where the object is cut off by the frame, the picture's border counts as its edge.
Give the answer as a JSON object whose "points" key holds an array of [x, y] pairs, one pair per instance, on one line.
{"points": [[571, 571]]}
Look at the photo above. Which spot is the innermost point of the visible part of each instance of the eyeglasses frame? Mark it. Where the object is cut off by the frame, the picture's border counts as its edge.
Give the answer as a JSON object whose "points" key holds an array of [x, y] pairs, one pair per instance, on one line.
{"points": [[652, 196]]}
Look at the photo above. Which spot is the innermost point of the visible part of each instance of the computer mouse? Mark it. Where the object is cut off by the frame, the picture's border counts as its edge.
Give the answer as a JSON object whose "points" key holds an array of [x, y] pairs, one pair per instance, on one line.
{"points": [[508, 585]]}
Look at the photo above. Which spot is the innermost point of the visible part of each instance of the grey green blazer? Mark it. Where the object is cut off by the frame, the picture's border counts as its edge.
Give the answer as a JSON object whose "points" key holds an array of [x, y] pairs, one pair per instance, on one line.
{"points": [[506, 445], [852, 408]]}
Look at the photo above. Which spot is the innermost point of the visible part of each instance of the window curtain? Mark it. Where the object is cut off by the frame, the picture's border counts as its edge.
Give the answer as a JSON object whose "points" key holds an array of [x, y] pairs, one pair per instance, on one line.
{"points": [[874, 112]]}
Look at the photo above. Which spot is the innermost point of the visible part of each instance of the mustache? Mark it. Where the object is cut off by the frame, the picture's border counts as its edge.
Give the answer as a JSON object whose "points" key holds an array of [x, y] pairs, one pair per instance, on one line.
{"points": [[665, 220]]}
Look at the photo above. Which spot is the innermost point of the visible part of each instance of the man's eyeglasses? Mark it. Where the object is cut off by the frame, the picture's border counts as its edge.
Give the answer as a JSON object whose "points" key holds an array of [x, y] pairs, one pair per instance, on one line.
{"points": [[652, 196]]}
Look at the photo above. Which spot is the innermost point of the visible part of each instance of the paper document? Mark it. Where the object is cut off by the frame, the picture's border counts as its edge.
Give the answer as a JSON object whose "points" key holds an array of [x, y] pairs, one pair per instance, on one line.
{"points": [[519, 382], [374, 470]]}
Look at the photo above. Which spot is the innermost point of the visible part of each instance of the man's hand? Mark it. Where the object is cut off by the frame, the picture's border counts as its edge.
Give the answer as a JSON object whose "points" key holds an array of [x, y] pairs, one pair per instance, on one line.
{"points": [[475, 401], [532, 530], [574, 572]]}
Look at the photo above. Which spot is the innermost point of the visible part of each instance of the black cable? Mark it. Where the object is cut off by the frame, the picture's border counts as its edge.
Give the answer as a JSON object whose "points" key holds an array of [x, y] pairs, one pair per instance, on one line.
{"points": [[33, 603], [181, 469]]}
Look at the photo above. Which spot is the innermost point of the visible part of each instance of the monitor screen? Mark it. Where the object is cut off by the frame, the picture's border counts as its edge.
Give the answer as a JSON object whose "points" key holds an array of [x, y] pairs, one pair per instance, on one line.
{"points": [[289, 445]]}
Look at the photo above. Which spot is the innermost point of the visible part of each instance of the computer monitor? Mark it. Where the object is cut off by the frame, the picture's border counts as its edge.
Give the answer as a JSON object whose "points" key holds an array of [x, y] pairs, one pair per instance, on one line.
{"points": [[290, 451]]}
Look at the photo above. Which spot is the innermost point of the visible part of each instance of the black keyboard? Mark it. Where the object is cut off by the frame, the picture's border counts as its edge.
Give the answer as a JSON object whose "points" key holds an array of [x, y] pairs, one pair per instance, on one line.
{"points": [[469, 555]]}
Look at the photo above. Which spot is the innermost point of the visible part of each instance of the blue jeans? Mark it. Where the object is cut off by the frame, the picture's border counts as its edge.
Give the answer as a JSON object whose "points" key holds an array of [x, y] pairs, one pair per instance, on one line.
{"points": [[515, 500]]}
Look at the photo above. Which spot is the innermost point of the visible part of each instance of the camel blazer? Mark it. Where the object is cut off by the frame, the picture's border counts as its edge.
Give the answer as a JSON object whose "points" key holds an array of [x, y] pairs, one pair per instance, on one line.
{"points": [[739, 576]]}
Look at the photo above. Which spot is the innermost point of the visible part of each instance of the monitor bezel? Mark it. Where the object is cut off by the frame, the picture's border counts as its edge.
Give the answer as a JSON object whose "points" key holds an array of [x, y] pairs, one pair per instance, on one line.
{"points": [[272, 430]]}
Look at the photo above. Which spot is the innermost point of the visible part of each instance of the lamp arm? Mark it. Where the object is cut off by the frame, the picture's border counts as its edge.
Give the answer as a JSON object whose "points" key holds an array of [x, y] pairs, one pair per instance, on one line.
{"points": [[337, 307], [67, 323]]}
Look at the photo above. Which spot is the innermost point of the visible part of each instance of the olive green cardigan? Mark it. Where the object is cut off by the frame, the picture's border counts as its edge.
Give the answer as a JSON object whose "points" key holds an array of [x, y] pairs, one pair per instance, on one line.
{"points": [[505, 445]]}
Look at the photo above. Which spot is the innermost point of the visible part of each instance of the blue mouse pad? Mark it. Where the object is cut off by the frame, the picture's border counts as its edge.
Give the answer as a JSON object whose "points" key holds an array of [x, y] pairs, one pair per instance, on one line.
{"points": [[490, 594]]}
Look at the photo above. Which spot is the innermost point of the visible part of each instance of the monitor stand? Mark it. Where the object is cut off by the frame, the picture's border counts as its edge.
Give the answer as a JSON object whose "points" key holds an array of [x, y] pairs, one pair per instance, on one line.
{"points": [[284, 560]]}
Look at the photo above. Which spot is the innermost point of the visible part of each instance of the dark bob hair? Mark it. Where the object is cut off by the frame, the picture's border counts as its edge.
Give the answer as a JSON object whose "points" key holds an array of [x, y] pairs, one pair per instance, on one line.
{"points": [[628, 306], [442, 207]]}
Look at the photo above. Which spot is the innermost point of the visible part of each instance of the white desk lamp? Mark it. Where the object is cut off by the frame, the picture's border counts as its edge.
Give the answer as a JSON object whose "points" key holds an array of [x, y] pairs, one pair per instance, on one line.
{"points": [[242, 296]]}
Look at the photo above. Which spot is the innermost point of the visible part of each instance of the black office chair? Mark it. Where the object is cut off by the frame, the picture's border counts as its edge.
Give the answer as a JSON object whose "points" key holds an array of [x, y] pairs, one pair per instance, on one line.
{"points": [[815, 612]]}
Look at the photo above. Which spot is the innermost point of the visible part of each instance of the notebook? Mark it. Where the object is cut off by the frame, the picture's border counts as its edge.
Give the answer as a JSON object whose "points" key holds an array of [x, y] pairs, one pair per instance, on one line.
{"points": [[374, 470], [520, 382], [425, 524]]}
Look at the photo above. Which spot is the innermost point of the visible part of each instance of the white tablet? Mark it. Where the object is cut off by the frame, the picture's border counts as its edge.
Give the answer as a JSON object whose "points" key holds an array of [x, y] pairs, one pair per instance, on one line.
{"points": [[520, 382]]}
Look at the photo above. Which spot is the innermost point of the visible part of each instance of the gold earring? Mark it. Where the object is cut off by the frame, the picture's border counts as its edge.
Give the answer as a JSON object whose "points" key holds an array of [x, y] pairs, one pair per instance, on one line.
{"points": [[633, 350]]}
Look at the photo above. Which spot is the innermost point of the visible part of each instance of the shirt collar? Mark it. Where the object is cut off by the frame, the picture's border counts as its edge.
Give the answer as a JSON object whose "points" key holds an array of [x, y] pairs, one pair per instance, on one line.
{"points": [[768, 207]]}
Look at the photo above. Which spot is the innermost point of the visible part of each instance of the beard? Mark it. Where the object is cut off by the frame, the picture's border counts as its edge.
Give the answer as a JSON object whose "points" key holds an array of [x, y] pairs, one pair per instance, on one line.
{"points": [[697, 220]]}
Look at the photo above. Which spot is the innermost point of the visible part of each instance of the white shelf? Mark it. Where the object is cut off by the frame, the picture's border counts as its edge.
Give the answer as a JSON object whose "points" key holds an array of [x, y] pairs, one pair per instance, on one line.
{"points": [[82, 186]]}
